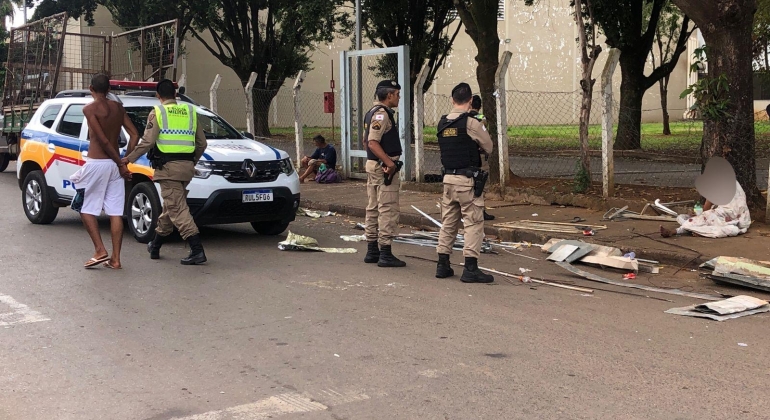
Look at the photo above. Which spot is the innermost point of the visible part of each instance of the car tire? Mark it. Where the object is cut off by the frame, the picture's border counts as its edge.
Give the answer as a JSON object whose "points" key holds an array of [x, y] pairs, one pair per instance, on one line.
{"points": [[36, 201], [5, 159], [270, 228], [142, 210]]}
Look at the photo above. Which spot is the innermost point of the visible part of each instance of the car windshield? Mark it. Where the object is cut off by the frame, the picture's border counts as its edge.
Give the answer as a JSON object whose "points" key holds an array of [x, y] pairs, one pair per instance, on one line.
{"points": [[214, 126]]}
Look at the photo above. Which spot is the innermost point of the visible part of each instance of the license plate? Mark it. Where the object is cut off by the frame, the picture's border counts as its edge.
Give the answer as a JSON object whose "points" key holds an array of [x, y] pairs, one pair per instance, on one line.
{"points": [[257, 196]]}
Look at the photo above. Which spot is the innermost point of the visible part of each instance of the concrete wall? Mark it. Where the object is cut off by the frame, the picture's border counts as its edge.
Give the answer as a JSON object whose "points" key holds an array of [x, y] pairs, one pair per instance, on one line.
{"points": [[542, 82]]}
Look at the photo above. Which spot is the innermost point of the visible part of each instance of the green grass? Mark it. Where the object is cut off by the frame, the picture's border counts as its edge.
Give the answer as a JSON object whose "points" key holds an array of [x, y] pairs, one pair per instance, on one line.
{"points": [[685, 138]]}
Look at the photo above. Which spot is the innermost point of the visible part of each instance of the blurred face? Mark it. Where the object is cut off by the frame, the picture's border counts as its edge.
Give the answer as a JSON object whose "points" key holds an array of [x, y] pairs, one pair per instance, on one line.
{"points": [[318, 143], [393, 99]]}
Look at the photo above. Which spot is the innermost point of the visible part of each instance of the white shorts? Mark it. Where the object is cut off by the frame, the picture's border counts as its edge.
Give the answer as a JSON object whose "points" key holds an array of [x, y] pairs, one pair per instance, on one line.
{"points": [[104, 187]]}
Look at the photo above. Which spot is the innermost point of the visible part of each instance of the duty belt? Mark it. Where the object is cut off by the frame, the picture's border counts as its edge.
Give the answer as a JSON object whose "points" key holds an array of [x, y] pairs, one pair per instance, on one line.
{"points": [[464, 172]]}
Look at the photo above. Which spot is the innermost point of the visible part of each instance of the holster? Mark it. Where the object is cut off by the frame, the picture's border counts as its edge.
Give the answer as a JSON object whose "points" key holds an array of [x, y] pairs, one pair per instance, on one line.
{"points": [[156, 159], [389, 178], [479, 182]]}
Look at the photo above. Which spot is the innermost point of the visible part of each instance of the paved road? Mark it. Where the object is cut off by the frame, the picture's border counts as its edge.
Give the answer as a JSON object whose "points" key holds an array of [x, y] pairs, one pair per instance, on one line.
{"points": [[627, 171], [261, 333]]}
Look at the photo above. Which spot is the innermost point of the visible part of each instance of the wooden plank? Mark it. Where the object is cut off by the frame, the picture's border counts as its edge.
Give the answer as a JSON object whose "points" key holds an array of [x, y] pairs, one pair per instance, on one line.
{"points": [[593, 277], [615, 262]]}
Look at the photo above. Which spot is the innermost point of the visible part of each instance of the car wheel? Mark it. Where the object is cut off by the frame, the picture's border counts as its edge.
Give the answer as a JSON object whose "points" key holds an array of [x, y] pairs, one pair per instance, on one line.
{"points": [[143, 211], [270, 228], [37, 203], [5, 158]]}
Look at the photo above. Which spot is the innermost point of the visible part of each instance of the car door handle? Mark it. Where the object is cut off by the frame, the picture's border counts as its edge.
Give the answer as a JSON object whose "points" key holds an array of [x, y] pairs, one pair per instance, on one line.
{"points": [[84, 153], [51, 147]]}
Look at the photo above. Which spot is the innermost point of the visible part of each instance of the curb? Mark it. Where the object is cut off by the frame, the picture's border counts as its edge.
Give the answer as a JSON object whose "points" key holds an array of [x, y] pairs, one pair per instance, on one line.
{"points": [[517, 235]]}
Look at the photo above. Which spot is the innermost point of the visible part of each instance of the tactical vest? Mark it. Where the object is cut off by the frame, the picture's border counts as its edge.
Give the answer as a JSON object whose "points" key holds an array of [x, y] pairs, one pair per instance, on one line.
{"points": [[458, 150], [178, 123], [390, 141]]}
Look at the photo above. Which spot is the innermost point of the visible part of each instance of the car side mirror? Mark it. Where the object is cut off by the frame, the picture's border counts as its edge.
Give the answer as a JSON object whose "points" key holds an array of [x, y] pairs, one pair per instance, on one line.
{"points": [[247, 135]]}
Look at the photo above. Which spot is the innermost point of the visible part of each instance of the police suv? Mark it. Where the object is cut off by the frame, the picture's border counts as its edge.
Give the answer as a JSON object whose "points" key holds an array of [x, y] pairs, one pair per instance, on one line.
{"points": [[237, 180]]}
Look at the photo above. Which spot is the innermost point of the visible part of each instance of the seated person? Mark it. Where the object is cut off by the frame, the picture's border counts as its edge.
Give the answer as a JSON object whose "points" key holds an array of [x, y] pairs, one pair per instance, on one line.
{"points": [[324, 155], [716, 221]]}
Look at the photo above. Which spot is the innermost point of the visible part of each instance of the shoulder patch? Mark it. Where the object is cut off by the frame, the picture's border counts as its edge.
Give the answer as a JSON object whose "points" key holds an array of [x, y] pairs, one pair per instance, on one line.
{"points": [[376, 126], [379, 117]]}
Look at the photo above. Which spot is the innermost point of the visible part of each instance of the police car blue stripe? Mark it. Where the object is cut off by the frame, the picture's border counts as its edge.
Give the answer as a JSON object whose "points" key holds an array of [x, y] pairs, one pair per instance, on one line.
{"points": [[277, 153]]}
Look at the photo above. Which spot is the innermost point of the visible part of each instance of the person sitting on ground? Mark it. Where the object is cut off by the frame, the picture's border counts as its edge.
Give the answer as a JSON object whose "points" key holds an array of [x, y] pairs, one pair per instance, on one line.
{"points": [[324, 157], [475, 112], [716, 185]]}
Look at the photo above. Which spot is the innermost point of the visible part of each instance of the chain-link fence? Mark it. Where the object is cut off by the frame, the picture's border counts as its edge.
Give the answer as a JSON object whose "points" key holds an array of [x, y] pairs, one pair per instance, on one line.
{"points": [[543, 131], [145, 53]]}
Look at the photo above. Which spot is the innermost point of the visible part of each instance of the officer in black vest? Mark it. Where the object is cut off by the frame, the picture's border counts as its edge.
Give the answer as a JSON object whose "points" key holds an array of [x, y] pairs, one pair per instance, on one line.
{"points": [[460, 139], [475, 112], [383, 150]]}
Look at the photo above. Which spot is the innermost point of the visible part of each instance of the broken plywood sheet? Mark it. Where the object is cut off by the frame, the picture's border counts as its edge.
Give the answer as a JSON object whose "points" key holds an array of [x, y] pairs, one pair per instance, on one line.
{"points": [[600, 250], [621, 263], [722, 310], [743, 267], [744, 281]]}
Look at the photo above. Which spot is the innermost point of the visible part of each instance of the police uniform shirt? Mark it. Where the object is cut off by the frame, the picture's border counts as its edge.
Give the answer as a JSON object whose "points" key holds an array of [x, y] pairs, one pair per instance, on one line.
{"points": [[179, 170], [480, 135], [380, 123]]}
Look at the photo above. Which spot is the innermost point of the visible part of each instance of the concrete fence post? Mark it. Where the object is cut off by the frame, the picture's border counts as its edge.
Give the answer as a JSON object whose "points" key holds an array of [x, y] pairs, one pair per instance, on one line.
{"points": [[419, 122], [502, 119], [298, 130], [213, 93], [250, 103], [608, 161]]}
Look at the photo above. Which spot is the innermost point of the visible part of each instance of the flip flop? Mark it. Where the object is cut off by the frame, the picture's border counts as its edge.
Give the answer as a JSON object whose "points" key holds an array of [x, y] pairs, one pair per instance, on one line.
{"points": [[108, 265], [93, 262]]}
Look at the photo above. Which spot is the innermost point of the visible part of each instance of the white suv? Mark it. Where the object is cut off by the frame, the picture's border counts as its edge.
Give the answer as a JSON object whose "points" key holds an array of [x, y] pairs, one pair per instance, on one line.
{"points": [[237, 180]]}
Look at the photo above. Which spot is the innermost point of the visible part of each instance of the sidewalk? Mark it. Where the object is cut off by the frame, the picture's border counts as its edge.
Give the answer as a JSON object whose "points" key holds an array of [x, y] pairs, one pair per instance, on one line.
{"points": [[349, 198]]}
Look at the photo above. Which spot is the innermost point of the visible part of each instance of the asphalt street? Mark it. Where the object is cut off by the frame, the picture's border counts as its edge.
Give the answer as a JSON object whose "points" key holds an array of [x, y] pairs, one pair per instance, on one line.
{"points": [[261, 333]]}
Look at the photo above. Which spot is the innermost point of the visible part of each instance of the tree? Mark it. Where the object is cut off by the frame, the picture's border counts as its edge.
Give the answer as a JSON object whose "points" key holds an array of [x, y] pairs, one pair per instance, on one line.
{"points": [[727, 26], [589, 52], [273, 39], [74, 8], [421, 24], [625, 27], [667, 31], [480, 20], [761, 36]]}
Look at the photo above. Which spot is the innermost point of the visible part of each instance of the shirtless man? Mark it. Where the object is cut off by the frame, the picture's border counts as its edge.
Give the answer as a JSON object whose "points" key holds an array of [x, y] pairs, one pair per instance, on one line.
{"points": [[103, 173]]}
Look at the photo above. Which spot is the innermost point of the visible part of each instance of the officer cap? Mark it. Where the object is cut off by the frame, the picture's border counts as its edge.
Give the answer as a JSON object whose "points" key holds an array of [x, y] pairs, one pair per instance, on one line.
{"points": [[392, 84]]}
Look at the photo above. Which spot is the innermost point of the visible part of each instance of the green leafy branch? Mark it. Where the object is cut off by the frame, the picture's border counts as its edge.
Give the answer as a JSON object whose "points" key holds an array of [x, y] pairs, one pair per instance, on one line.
{"points": [[711, 93]]}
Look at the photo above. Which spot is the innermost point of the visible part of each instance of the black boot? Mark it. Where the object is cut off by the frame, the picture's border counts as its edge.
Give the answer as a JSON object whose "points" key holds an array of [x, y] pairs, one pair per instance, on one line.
{"points": [[472, 274], [154, 246], [197, 256], [488, 216], [387, 259], [443, 269], [372, 253]]}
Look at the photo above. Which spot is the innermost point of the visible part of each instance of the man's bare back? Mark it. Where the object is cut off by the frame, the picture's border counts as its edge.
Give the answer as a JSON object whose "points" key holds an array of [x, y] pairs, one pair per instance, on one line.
{"points": [[109, 116]]}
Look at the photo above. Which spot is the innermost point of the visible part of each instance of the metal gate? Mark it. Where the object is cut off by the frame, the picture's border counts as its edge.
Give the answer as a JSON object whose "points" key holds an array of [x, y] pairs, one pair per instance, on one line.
{"points": [[360, 71]]}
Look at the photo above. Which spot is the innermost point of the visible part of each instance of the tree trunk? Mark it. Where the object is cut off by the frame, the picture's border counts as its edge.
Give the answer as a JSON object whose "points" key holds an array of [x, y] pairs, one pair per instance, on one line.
{"points": [[729, 53], [631, 95], [262, 101], [585, 119], [664, 106], [488, 60]]}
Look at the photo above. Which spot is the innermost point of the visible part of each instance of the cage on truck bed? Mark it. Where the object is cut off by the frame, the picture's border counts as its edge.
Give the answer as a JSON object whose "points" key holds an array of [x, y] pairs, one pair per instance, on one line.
{"points": [[50, 55]]}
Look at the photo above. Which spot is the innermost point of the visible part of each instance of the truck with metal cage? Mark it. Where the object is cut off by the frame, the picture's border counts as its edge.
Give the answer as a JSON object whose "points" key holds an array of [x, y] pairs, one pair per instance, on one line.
{"points": [[48, 56]]}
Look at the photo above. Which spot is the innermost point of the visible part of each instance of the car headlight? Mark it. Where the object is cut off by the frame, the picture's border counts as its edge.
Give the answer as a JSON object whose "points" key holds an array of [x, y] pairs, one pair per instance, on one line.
{"points": [[203, 169], [286, 166]]}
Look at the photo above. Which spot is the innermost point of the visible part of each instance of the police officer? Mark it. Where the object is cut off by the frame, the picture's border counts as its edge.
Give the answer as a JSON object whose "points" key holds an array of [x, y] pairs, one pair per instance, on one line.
{"points": [[383, 150], [177, 142], [459, 138], [475, 112]]}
